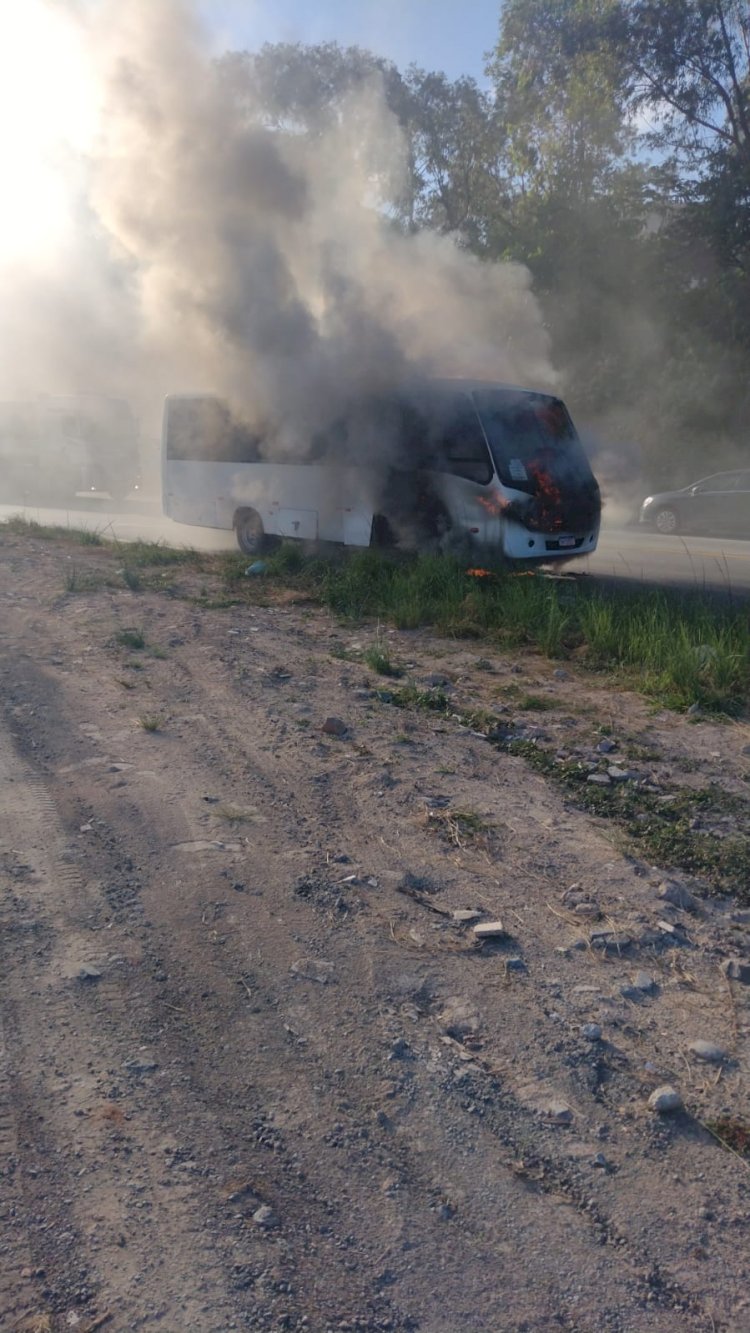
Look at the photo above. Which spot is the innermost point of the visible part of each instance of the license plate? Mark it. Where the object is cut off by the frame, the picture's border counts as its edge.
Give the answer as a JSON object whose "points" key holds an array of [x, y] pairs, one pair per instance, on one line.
{"points": [[567, 541]]}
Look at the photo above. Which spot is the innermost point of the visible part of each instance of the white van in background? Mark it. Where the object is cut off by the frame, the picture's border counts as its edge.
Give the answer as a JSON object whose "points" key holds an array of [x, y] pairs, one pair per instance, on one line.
{"points": [[446, 461]]}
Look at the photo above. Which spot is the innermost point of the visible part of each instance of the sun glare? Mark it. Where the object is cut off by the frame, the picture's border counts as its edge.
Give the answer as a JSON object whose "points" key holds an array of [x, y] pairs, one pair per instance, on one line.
{"points": [[47, 118]]}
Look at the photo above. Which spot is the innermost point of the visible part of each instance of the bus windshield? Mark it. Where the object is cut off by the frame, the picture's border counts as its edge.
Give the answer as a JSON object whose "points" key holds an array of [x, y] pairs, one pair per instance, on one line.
{"points": [[521, 429]]}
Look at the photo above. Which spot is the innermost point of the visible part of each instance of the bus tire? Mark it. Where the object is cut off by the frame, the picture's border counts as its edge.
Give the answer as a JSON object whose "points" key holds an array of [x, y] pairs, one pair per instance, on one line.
{"points": [[248, 527], [434, 529], [383, 536]]}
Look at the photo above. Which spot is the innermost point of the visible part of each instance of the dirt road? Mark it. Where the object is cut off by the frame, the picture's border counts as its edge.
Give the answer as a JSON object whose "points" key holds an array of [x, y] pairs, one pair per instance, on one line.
{"points": [[253, 1072]]}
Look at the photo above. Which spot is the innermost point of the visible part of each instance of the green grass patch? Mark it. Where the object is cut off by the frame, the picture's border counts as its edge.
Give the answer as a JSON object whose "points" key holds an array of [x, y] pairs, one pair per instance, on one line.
{"points": [[410, 696], [536, 703], [131, 638], [142, 555], [379, 660], [152, 722], [132, 579], [459, 827], [23, 526], [681, 648], [84, 580]]}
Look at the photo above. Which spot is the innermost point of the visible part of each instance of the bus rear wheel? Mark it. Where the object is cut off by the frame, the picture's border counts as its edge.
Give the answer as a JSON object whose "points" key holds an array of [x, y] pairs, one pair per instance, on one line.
{"points": [[248, 527]]}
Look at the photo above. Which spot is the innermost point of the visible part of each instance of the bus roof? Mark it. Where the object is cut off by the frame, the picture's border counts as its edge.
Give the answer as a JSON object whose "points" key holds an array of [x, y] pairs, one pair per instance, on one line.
{"points": [[460, 385]]}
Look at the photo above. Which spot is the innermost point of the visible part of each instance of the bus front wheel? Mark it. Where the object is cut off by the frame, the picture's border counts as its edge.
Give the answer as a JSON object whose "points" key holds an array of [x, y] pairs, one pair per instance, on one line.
{"points": [[249, 529]]}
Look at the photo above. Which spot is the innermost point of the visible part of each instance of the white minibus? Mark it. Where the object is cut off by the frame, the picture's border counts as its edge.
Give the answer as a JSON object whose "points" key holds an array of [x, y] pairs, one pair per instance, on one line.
{"points": [[439, 463]]}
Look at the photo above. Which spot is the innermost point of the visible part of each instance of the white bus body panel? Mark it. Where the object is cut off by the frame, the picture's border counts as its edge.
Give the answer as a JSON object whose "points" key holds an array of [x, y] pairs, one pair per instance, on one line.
{"points": [[309, 502]]}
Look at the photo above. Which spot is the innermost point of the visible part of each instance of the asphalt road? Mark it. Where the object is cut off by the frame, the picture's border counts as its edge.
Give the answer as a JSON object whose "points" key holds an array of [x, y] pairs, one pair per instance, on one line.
{"points": [[630, 555], [640, 556]]}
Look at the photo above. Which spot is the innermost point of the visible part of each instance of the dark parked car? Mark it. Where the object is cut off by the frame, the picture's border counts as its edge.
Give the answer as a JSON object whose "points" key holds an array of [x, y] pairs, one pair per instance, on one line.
{"points": [[718, 505]]}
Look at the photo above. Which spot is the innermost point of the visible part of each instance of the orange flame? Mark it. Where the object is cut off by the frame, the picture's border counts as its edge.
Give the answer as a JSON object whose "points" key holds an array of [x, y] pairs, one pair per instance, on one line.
{"points": [[495, 504], [480, 573], [550, 499]]}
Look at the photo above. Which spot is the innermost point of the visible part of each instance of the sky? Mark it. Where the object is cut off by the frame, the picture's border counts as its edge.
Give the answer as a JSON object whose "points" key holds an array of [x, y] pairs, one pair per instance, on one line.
{"points": [[449, 35]]}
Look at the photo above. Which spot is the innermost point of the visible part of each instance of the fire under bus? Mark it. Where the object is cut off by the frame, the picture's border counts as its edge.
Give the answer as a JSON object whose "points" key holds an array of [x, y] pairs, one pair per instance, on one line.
{"points": [[443, 463]]}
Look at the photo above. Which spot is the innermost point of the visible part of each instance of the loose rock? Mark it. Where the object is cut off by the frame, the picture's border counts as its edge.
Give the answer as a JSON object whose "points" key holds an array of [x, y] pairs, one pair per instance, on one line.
{"points": [[313, 969], [591, 1031], [676, 894], [465, 915], [557, 1113], [460, 1018], [515, 965], [736, 970], [708, 1051], [665, 1100], [599, 779], [88, 972], [333, 726], [609, 940], [586, 909], [643, 981], [489, 930], [265, 1217]]}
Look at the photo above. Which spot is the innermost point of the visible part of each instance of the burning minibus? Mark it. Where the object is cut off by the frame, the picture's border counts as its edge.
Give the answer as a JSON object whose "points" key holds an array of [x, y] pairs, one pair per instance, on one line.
{"points": [[438, 464]]}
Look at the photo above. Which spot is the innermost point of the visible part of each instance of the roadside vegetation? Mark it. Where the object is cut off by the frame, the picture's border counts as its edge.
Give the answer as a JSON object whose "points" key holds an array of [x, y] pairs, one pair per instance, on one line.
{"points": [[668, 824], [685, 650]]}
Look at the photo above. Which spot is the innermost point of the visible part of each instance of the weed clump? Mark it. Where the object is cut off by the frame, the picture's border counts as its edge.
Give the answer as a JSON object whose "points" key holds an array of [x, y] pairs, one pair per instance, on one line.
{"points": [[151, 722], [131, 638]]}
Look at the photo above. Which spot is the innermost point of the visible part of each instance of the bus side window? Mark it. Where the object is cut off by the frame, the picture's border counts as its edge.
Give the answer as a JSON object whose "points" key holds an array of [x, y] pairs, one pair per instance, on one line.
{"points": [[202, 430], [414, 445], [462, 448], [239, 445]]}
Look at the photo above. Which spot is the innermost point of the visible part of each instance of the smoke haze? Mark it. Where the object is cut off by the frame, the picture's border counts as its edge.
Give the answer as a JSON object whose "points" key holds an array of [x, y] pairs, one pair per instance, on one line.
{"points": [[204, 251]]}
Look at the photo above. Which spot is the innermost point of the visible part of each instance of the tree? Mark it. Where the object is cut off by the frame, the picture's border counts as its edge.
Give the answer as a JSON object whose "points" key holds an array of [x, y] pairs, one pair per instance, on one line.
{"points": [[691, 66], [691, 62], [562, 90], [303, 88], [457, 144]]}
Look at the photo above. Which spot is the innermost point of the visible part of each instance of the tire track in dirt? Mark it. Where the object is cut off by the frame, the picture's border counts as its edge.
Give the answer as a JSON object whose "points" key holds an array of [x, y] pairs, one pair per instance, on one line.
{"points": [[517, 1121], [16, 1296], [95, 1244], [199, 1127], [507, 1119], [511, 1122]]}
